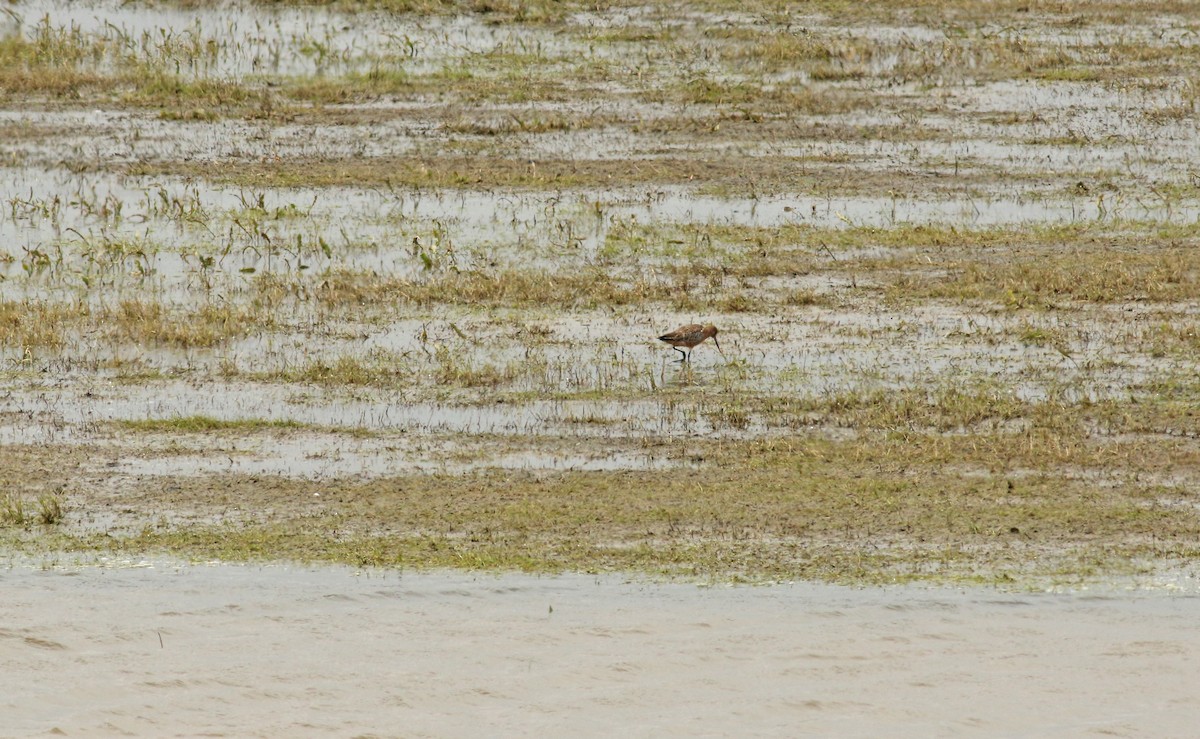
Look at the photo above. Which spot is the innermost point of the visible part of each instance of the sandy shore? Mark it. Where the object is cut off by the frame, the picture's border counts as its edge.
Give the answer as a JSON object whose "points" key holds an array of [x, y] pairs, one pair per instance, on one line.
{"points": [[269, 651]]}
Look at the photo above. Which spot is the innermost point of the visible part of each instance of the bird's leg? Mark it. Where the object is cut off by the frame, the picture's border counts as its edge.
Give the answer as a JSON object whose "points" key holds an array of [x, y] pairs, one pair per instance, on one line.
{"points": [[682, 352]]}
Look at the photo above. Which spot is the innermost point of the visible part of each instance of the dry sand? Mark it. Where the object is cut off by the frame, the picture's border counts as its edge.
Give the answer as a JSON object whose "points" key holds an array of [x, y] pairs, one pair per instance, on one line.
{"points": [[274, 651]]}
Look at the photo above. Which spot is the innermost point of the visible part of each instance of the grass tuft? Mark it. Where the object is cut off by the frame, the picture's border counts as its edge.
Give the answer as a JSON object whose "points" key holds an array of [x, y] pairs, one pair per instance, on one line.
{"points": [[50, 509], [205, 424], [13, 511]]}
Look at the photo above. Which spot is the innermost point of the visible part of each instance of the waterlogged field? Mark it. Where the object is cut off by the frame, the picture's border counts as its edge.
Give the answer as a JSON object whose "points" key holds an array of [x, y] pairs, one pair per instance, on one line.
{"points": [[382, 287]]}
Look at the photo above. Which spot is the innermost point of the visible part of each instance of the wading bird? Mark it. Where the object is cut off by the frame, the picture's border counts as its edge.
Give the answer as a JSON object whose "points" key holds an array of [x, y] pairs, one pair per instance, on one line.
{"points": [[690, 336]]}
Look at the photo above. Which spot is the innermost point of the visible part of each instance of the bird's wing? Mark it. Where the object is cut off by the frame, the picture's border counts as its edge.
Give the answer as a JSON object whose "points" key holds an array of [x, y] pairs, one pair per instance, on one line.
{"points": [[682, 332]]}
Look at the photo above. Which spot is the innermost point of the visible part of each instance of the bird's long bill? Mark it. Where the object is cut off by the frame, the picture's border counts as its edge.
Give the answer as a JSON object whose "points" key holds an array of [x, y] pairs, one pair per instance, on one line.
{"points": [[718, 346]]}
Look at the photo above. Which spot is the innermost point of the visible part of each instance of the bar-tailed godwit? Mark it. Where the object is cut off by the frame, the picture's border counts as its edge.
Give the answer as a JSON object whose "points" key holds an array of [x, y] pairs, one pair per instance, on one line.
{"points": [[689, 336]]}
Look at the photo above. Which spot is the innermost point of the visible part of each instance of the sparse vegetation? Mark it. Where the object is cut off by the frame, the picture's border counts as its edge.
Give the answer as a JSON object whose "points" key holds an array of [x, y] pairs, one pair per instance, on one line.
{"points": [[13, 511], [204, 424], [50, 509], [765, 510], [17, 512], [951, 250]]}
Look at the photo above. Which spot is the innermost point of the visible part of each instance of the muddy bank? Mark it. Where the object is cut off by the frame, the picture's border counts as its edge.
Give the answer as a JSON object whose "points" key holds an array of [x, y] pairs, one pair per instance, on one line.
{"points": [[160, 649]]}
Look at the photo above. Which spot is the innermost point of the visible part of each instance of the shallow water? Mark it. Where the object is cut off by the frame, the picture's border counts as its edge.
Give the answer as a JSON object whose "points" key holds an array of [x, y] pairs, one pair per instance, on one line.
{"points": [[321, 457], [279, 41], [374, 229], [159, 648], [877, 152], [62, 416]]}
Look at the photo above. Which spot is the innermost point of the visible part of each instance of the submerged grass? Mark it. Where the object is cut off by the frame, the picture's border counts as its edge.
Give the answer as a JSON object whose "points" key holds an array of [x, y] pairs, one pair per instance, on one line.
{"points": [[144, 322], [345, 289], [205, 424], [56, 61], [473, 172], [930, 507], [720, 173], [15, 511], [762, 72], [29, 323], [931, 476], [66, 62], [55, 325], [1067, 277]]}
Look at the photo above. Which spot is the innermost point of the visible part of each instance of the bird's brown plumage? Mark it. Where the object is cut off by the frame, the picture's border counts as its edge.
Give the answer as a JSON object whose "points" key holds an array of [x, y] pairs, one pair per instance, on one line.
{"points": [[690, 336]]}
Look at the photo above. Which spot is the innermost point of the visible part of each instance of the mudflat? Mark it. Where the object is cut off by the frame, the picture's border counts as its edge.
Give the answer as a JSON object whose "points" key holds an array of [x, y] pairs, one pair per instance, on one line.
{"points": [[219, 650]]}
